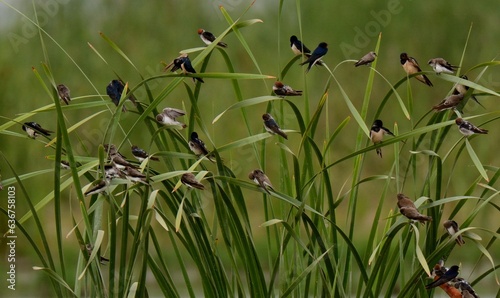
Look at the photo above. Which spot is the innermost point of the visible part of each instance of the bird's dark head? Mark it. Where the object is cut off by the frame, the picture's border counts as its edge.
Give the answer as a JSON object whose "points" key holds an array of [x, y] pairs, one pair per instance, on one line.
{"points": [[323, 45], [200, 31], [378, 123], [401, 196], [60, 87], [194, 135], [459, 121], [454, 268], [266, 116], [293, 38], [159, 117], [134, 147], [278, 84], [403, 56]]}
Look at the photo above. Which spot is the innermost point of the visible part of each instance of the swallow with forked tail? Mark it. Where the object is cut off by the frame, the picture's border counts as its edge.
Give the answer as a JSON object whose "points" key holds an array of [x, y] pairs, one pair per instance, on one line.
{"points": [[467, 128], [272, 127], [34, 129], [283, 90], [410, 65], [298, 48], [316, 56], [208, 38]]}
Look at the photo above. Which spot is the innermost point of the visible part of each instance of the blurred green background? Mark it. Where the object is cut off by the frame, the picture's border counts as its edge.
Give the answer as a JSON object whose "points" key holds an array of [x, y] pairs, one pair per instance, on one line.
{"points": [[155, 31]]}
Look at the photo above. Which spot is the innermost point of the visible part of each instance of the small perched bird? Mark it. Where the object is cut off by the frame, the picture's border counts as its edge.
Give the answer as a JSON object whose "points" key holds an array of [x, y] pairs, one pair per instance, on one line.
{"points": [[467, 128], [451, 227], [183, 62], [111, 171], [168, 116], [465, 288], [208, 38], [198, 147], [261, 179], [272, 127], [116, 157], [298, 48], [283, 90], [410, 65], [141, 155], [65, 165], [462, 89], [448, 276], [366, 59], [134, 175], [440, 65], [99, 186], [190, 181], [377, 133], [115, 89], [316, 56], [450, 102], [408, 209], [64, 93], [34, 129]]}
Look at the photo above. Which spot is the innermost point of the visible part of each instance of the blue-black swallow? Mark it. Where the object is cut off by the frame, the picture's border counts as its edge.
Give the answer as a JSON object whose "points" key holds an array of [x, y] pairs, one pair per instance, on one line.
{"points": [[366, 59], [168, 116], [64, 93], [447, 277], [377, 133], [467, 128], [440, 65], [115, 89], [408, 209], [410, 65], [190, 181], [141, 155], [450, 102], [208, 38], [452, 228], [198, 147], [98, 187], [283, 90], [316, 56], [183, 62], [261, 179], [34, 129], [271, 126], [298, 48], [462, 89]]}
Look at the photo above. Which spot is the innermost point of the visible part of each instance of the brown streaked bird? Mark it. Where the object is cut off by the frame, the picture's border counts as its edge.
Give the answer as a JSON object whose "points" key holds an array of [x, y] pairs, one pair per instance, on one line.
{"points": [[272, 127], [452, 228], [261, 179], [450, 102], [408, 209], [462, 89], [377, 133], [190, 181], [141, 155], [410, 65], [64, 93], [440, 65], [467, 128], [208, 38], [168, 116], [283, 90], [366, 59]]}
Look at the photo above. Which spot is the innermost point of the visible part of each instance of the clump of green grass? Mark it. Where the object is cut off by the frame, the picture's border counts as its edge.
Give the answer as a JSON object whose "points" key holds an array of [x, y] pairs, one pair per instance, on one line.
{"points": [[151, 233]]}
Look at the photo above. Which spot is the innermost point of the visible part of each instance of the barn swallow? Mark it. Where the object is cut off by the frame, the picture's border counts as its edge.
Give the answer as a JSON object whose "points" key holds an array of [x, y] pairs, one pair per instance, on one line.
{"points": [[134, 175], [190, 181], [448, 276], [467, 128], [208, 38], [115, 89], [377, 133], [298, 47], [261, 179], [272, 127], [183, 63], [408, 209], [65, 165], [198, 147], [410, 65], [99, 186], [462, 89], [316, 56], [34, 129], [451, 227], [141, 155], [64, 93], [283, 90], [111, 171], [465, 288], [168, 116], [366, 59], [450, 102], [440, 65]]}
